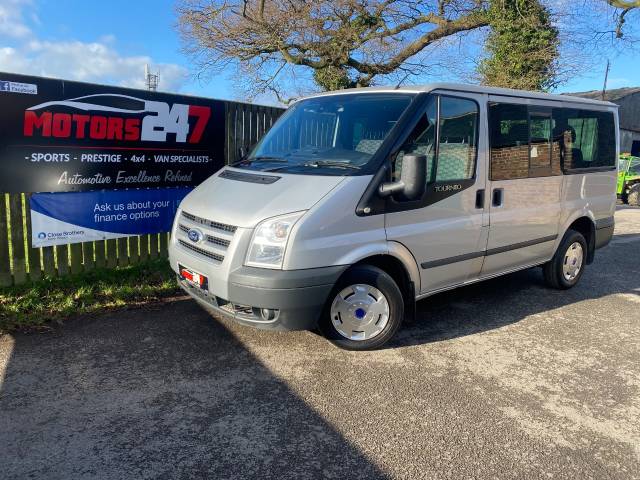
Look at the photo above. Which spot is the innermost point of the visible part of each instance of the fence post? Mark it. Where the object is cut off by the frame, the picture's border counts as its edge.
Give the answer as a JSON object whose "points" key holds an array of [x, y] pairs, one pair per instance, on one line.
{"points": [[49, 261], [153, 245], [5, 262], [75, 250], [134, 256], [227, 133], [144, 248], [246, 127], [164, 244], [112, 253], [35, 270], [17, 238], [123, 254], [101, 260], [87, 256], [239, 142], [62, 257]]}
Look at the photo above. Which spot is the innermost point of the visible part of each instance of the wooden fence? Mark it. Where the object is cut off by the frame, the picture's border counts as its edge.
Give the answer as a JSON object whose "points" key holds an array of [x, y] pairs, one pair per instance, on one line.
{"points": [[20, 263]]}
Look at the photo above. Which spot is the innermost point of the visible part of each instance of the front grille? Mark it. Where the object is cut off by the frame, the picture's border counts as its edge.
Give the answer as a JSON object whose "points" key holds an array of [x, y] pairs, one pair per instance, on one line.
{"points": [[209, 238], [201, 251], [209, 223], [218, 241], [217, 236]]}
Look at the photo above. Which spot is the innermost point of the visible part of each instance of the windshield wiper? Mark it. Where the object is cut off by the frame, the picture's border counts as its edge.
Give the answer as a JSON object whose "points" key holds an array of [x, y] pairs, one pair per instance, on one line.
{"points": [[261, 158], [330, 163]]}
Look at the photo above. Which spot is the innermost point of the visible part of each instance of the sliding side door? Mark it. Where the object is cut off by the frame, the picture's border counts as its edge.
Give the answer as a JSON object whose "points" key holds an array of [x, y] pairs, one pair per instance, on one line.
{"points": [[525, 184]]}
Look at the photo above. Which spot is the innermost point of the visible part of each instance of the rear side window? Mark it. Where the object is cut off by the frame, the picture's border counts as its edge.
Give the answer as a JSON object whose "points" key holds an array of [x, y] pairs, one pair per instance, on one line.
{"points": [[588, 138], [509, 132], [535, 141]]}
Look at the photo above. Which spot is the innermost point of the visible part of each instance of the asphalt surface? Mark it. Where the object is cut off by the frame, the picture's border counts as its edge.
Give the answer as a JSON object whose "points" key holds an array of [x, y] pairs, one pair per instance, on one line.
{"points": [[504, 379]]}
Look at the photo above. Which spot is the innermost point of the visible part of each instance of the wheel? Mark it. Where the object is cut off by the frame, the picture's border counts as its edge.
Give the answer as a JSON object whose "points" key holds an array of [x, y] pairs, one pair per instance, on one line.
{"points": [[624, 199], [566, 267], [364, 310], [633, 196]]}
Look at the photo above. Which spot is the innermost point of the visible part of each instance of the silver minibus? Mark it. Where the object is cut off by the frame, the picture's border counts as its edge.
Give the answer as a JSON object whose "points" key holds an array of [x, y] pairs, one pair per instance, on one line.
{"points": [[358, 203]]}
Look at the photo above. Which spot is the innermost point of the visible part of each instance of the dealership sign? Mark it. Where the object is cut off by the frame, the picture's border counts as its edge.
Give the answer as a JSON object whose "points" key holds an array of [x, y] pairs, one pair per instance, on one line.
{"points": [[73, 217], [70, 136]]}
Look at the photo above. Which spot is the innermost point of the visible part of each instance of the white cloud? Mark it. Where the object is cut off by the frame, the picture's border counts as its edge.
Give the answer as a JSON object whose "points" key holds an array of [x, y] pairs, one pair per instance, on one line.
{"points": [[97, 61], [11, 21]]}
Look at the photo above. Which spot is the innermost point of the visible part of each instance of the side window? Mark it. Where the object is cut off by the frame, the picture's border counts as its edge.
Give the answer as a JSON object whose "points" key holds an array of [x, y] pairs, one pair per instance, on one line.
{"points": [[540, 142], [588, 138], [509, 135], [458, 142], [523, 142], [421, 141]]}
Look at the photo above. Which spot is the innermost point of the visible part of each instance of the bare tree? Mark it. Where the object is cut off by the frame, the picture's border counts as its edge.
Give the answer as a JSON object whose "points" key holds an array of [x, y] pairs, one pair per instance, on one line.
{"points": [[295, 46], [345, 43], [625, 7]]}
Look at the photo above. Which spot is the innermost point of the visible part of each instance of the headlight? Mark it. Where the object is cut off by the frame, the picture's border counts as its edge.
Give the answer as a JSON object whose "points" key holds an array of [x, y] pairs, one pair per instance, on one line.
{"points": [[269, 241]]}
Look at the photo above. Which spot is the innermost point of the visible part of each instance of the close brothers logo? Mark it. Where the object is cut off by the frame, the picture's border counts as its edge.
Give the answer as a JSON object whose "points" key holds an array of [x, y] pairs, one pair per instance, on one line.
{"points": [[64, 234], [121, 117]]}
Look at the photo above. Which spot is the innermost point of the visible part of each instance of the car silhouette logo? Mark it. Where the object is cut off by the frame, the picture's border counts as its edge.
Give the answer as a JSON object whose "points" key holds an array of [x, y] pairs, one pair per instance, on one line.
{"points": [[102, 102], [195, 235]]}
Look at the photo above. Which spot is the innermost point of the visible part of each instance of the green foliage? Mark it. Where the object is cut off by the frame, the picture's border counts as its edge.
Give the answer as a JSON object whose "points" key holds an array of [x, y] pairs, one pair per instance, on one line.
{"points": [[54, 299], [522, 46], [332, 78]]}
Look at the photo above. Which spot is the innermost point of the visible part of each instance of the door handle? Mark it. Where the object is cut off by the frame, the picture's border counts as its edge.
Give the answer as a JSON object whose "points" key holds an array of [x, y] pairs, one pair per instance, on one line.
{"points": [[498, 197], [480, 198]]}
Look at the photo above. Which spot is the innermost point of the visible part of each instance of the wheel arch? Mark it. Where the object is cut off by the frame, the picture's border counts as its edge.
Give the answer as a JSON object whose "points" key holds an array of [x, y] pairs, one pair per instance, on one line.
{"points": [[586, 225], [399, 264]]}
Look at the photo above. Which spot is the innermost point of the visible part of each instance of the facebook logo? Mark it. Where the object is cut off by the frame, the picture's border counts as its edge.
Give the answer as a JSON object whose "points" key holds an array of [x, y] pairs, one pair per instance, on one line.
{"points": [[4, 86]]}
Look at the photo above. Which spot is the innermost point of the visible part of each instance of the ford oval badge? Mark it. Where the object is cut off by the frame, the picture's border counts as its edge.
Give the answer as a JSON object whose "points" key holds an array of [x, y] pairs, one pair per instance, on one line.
{"points": [[195, 235]]}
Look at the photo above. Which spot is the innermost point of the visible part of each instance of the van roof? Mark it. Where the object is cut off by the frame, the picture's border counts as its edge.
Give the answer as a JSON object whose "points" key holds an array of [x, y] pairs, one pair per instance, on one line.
{"points": [[468, 88]]}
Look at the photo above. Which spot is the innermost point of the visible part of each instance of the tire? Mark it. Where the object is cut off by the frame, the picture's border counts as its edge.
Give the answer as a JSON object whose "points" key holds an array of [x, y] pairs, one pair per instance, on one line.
{"points": [[560, 272], [364, 309], [633, 196]]}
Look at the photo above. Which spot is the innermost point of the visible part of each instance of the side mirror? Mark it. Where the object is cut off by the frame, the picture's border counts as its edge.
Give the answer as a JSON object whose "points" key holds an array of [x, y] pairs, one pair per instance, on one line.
{"points": [[242, 152], [412, 183]]}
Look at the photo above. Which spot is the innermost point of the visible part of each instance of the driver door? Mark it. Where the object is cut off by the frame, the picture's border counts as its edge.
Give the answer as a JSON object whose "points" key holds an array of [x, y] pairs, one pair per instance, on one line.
{"points": [[447, 230]]}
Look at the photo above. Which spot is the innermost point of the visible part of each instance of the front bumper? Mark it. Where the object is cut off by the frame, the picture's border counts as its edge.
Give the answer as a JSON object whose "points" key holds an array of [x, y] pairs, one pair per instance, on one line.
{"points": [[296, 296]]}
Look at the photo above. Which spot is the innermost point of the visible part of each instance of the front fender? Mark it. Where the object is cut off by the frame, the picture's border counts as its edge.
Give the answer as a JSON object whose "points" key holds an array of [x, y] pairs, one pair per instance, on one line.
{"points": [[393, 249]]}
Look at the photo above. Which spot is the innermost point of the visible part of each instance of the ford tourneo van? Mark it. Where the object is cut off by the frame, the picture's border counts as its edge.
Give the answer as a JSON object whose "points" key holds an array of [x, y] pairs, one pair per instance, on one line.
{"points": [[357, 203]]}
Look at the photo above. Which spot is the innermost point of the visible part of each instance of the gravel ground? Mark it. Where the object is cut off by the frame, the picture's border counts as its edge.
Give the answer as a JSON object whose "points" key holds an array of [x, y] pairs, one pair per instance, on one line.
{"points": [[503, 379]]}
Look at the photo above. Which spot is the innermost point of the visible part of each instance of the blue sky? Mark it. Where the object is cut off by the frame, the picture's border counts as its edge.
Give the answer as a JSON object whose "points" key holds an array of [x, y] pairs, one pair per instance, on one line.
{"points": [[110, 41]]}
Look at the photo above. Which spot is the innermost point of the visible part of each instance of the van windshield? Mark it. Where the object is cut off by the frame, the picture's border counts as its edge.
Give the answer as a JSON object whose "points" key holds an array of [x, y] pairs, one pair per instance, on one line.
{"points": [[332, 135]]}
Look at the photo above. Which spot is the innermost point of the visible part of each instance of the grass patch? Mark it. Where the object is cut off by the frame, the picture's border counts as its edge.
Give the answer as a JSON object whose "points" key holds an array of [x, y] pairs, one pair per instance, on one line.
{"points": [[34, 306]]}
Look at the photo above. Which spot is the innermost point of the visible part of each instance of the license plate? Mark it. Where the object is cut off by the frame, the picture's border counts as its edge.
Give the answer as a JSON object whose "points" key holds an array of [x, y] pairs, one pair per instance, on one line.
{"points": [[194, 278]]}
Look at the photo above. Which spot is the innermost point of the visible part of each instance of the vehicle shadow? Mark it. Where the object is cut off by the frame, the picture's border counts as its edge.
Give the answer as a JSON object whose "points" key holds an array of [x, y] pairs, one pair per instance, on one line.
{"points": [[158, 393], [508, 299]]}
